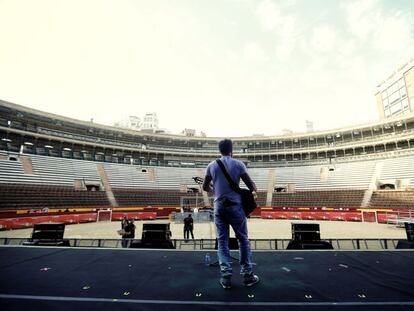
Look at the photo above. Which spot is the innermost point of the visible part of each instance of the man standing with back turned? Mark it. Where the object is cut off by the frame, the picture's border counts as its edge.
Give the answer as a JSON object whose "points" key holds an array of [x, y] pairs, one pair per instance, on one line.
{"points": [[228, 212]]}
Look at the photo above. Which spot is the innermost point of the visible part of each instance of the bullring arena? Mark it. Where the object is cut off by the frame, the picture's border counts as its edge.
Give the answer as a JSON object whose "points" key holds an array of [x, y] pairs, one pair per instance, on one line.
{"points": [[356, 184]]}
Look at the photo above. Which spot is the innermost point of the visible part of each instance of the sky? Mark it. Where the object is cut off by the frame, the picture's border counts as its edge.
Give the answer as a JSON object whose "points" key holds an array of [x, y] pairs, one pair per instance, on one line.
{"points": [[225, 67]]}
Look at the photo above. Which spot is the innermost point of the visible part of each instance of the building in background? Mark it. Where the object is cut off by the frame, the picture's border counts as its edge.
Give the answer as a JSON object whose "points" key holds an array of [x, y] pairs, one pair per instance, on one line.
{"points": [[189, 132], [131, 122], [150, 122], [395, 95], [309, 126]]}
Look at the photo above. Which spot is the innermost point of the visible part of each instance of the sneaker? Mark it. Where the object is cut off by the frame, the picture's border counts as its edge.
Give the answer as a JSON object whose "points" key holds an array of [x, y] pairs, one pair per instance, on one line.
{"points": [[225, 282], [250, 280]]}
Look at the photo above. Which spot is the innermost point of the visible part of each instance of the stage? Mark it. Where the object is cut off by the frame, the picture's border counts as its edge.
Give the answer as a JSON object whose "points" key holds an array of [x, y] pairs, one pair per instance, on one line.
{"points": [[41, 278]]}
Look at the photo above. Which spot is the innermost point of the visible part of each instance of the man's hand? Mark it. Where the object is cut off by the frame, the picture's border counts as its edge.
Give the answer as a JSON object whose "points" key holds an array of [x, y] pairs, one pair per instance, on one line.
{"points": [[254, 195]]}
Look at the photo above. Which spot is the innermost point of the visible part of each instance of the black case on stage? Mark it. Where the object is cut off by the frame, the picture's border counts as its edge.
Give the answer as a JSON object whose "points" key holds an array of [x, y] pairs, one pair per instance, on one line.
{"points": [[305, 232]]}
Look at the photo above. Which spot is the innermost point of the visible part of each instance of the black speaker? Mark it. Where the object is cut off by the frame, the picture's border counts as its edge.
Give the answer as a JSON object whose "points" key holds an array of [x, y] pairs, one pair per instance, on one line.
{"points": [[300, 245], [156, 226], [404, 244], [233, 244], [305, 232], [152, 232], [48, 231], [50, 234], [409, 230]]}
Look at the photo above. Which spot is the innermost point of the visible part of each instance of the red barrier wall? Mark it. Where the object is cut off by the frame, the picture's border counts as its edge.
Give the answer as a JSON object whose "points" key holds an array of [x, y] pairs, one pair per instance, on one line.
{"points": [[352, 215], [134, 215], [336, 216], [27, 222]]}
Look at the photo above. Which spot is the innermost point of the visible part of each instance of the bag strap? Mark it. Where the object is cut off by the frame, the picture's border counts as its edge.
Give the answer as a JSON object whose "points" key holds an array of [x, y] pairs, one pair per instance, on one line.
{"points": [[231, 182]]}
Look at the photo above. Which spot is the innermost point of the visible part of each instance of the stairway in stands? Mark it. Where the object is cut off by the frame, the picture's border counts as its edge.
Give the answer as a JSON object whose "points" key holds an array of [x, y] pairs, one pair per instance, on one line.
{"points": [[270, 186], [107, 186], [27, 164], [372, 186]]}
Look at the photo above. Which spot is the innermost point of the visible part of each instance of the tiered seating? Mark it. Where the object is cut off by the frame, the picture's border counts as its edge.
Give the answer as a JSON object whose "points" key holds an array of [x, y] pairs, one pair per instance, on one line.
{"points": [[324, 198], [261, 198], [29, 196], [356, 175], [393, 199], [130, 176], [399, 168], [49, 170], [128, 197], [160, 186], [260, 178]]}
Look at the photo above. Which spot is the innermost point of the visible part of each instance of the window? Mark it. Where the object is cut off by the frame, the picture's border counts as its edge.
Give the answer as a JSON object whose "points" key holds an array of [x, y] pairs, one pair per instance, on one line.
{"points": [[403, 92], [395, 108], [387, 112], [393, 88], [394, 97], [385, 102], [405, 105], [384, 95], [401, 83]]}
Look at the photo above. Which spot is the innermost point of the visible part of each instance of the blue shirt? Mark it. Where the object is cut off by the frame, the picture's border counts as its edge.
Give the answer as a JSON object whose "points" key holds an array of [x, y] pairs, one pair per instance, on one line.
{"points": [[221, 188]]}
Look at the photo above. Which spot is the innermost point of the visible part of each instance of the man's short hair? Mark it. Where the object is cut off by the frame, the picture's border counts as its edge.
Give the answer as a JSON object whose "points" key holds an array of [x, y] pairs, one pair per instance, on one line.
{"points": [[226, 146]]}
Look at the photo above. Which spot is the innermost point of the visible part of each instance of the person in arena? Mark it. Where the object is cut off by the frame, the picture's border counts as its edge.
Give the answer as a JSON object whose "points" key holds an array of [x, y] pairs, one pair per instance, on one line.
{"points": [[124, 222], [130, 229], [228, 212], [129, 232], [188, 227]]}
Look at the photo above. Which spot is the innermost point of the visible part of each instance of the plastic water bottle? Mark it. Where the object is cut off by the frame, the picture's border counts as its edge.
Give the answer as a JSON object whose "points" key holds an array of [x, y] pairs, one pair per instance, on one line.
{"points": [[207, 259]]}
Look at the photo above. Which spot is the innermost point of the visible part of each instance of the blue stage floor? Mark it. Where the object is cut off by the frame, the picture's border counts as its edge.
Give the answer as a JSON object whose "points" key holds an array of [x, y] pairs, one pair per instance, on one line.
{"points": [[38, 278]]}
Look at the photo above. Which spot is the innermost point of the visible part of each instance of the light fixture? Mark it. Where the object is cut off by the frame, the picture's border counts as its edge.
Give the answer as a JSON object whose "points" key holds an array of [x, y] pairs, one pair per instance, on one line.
{"points": [[7, 140], [67, 149], [48, 146], [28, 143]]}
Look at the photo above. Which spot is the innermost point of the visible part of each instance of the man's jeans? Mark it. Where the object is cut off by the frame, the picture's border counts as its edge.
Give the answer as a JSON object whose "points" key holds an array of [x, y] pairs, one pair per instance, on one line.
{"points": [[225, 216]]}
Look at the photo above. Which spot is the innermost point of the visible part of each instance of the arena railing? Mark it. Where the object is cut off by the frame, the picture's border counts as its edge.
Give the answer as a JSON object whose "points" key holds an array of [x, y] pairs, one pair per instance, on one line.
{"points": [[399, 135], [344, 159], [406, 134], [209, 244], [286, 163]]}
